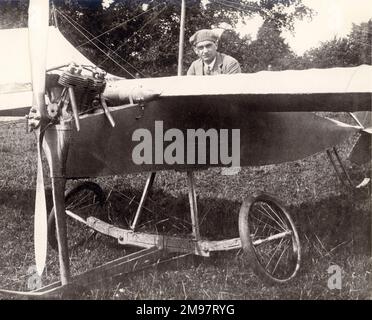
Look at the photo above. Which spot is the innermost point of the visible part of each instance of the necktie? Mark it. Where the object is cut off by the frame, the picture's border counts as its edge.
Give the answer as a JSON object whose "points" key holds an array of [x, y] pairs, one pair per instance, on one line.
{"points": [[208, 72]]}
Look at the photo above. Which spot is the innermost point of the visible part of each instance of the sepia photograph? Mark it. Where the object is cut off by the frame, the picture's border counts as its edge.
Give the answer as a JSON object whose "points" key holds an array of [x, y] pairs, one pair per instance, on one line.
{"points": [[214, 151]]}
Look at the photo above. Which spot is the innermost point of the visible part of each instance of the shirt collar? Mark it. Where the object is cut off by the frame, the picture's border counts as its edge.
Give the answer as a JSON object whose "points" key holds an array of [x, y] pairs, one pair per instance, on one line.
{"points": [[210, 65]]}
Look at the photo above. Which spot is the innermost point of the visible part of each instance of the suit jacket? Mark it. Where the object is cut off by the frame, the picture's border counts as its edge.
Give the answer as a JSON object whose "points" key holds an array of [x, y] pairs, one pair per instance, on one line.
{"points": [[224, 65]]}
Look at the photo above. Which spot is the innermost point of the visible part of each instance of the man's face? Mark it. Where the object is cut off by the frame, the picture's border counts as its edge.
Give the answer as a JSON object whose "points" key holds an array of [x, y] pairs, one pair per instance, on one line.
{"points": [[206, 50]]}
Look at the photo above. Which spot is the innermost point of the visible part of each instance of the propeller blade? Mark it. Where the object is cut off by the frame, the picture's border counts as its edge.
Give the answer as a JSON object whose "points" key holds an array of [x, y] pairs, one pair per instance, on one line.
{"points": [[38, 14], [38, 21]]}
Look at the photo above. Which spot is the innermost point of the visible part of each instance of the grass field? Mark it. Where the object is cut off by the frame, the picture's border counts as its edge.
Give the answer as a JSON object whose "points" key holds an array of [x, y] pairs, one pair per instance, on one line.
{"points": [[334, 225]]}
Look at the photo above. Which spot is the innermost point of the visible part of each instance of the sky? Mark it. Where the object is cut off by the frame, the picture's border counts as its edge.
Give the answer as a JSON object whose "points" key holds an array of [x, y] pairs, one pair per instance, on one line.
{"points": [[333, 18]]}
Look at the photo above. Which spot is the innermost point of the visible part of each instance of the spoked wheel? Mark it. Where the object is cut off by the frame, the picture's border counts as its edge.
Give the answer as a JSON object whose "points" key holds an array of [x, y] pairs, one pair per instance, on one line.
{"points": [[269, 239], [85, 200]]}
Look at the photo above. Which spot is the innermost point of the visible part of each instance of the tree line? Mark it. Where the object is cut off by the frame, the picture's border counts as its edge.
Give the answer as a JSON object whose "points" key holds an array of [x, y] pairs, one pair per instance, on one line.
{"points": [[140, 37]]}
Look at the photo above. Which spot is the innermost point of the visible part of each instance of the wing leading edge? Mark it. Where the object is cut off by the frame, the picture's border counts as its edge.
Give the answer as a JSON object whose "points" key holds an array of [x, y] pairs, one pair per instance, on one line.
{"points": [[336, 89]]}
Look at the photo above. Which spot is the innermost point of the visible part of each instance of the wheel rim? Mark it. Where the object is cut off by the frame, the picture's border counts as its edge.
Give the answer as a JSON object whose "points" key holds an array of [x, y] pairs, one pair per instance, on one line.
{"points": [[274, 239]]}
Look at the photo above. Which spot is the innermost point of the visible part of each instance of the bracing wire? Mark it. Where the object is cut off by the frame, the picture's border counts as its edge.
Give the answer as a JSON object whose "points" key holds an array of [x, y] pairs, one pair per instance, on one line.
{"points": [[119, 25], [72, 22], [112, 52], [242, 5], [100, 49], [103, 44], [238, 6], [156, 15], [107, 31]]}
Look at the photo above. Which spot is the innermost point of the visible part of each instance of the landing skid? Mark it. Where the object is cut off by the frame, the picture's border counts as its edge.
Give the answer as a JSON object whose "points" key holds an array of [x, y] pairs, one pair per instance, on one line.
{"points": [[268, 238]]}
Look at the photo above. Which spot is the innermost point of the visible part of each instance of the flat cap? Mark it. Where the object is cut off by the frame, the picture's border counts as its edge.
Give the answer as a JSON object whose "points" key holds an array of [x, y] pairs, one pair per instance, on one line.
{"points": [[203, 35]]}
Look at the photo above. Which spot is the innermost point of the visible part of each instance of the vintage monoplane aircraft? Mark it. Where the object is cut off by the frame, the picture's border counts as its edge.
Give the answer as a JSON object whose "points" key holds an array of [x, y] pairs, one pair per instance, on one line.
{"points": [[91, 124]]}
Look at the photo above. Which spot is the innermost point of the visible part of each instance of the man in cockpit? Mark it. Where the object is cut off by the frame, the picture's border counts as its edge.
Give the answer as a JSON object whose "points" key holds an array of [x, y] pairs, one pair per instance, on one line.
{"points": [[210, 62]]}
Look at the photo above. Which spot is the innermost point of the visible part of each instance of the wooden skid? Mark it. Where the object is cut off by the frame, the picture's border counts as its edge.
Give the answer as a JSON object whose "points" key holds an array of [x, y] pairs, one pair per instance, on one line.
{"points": [[167, 243]]}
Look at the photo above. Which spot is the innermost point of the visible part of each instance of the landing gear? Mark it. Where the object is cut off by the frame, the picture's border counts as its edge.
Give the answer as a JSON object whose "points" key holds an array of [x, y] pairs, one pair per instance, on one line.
{"points": [[85, 200], [269, 239], [268, 236]]}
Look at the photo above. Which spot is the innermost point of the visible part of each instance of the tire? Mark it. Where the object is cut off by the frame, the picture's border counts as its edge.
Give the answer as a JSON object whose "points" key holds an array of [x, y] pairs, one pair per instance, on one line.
{"points": [[262, 218], [86, 195]]}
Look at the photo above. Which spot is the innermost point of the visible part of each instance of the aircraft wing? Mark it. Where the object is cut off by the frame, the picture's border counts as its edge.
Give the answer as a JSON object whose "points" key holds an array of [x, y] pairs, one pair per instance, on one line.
{"points": [[15, 75], [336, 89]]}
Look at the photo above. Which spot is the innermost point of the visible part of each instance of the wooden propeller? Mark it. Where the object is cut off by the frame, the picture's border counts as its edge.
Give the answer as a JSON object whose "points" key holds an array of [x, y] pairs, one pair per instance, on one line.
{"points": [[38, 38]]}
